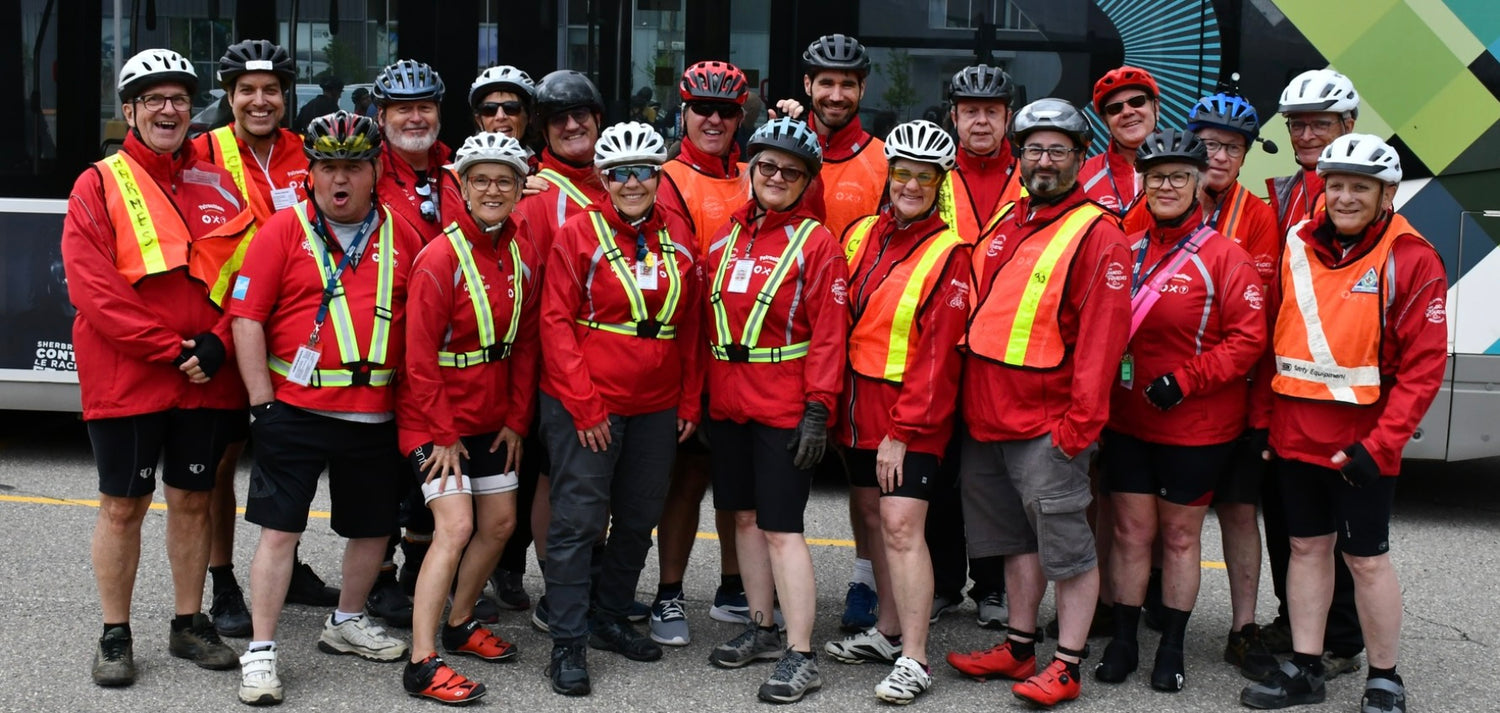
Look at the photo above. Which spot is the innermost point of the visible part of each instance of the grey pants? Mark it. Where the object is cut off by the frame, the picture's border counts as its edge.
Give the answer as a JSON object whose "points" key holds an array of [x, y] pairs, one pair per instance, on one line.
{"points": [[622, 488]]}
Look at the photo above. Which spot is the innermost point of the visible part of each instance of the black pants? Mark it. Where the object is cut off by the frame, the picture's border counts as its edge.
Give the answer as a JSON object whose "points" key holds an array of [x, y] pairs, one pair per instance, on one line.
{"points": [[1342, 635]]}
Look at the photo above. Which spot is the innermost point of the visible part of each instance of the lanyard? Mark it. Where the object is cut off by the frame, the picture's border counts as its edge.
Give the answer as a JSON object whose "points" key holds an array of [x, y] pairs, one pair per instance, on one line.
{"points": [[1138, 277], [330, 289]]}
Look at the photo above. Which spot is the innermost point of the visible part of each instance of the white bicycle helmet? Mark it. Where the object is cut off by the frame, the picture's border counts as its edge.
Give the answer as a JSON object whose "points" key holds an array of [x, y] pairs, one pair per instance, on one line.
{"points": [[631, 143], [151, 67], [491, 147], [1362, 154], [501, 78], [1320, 90], [921, 140]]}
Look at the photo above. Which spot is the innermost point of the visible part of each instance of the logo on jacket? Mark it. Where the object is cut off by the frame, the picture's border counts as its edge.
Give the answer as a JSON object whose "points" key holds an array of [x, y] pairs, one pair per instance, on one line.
{"points": [[1114, 276], [241, 287], [997, 244], [1253, 297], [958, 294], [1437, 311], [1369, 284], [840, 291]]}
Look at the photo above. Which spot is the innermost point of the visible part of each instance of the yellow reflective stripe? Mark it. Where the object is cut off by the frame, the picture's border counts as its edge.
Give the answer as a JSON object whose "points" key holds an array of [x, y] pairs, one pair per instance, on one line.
{"points": [[565, 185], [332, 377], [999, 216], [230, 266], [385, 279], [616, 260], [140, 218], [947, 204], [234, 163], [766, 355], [911, 299], [674, 282], [1041, 277], [715, 298], [628, 329], [477, 295], [757, 319], [856, 239]]}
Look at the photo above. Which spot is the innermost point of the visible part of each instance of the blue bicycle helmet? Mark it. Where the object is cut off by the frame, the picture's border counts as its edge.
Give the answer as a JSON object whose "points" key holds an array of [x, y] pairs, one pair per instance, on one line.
{"points": [[1225, 111]]}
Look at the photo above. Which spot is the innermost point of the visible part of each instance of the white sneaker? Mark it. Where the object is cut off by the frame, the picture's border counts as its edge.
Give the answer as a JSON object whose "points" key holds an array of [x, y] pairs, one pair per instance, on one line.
{"points": [[867, 645], [360, 637], [259, 684], [904, 683]]}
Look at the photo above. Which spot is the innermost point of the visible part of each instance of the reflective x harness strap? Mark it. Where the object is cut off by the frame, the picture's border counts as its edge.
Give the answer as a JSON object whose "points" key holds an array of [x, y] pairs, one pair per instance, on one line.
{"points": [[745, 351], [567, 189], [641, 324], [489, 350]]}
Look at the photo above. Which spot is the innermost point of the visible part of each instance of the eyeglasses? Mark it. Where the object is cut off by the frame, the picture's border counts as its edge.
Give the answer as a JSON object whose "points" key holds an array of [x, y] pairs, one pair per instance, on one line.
{"points": [[428, 207], [1135, 102], [925, 179], [577, 115], [155, 102], [511, 108], [725, 110], [484, 183], [1056, 153], [789, 174], [1233, 150], [1321, 127], [1176, 180], [623, 174]]}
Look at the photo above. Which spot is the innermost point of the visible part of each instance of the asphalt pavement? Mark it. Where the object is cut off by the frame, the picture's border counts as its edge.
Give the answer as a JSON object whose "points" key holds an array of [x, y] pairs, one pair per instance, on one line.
{"points": [[1445, 542]]}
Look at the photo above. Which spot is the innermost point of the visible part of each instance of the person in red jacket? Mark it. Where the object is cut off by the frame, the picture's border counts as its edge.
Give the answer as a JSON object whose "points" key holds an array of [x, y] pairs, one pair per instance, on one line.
{"points": [[909, 289], [319, 331], [621, 386], [270, 172], [1127, 99], [1197, 327], [1043, 348], [150, 343], [1360, 347], [465, 403]]}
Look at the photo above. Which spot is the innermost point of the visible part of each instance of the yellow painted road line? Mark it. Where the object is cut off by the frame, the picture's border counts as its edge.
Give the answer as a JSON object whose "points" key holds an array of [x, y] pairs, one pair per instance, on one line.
{"points": [[31, 500]]}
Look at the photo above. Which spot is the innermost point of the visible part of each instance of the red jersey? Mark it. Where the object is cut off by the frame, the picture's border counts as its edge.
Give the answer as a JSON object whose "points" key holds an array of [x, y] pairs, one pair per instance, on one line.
{"points": [[919, 410], [546, 212], [283, 176], [398, 189], [1110, 180], [809, 307], [438, 403], [1071, 402], [1295, 198], [852, 183], [595, 372], [1208, 330], [125, 337]]}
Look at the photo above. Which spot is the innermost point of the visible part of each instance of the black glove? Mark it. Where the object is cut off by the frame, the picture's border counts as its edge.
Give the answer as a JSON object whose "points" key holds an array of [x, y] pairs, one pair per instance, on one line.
{"points": [[1257, 442], [1360, 470], [260, 411], [210, 352], [811, 438], [1164, 393]]}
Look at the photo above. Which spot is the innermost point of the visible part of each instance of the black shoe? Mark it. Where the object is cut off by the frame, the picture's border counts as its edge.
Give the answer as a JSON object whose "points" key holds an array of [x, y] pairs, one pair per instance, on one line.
{"points": [[114, 660], [1120, 659], [1383, 696], [608, 633], [510, 589], [1291, 685], [1168, 673], [308, 588], [388, 602], [1249, 654], [231, 617], [569, 669], [200, 644], [486, 610], [1277, 636]]}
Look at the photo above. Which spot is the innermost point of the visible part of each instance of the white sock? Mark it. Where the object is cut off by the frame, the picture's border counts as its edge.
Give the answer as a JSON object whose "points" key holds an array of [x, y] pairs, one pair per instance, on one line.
{"points": [[864, 573], [261, 645], [340, 617]]}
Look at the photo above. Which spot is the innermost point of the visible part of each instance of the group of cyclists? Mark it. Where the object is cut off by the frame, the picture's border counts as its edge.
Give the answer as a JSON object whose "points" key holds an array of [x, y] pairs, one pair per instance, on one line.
{"points": [[564, 333]]}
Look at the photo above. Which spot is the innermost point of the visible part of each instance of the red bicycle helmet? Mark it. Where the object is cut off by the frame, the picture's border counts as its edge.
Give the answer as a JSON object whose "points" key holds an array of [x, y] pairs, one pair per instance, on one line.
{"points": [[714, 81], [1121, 78]]}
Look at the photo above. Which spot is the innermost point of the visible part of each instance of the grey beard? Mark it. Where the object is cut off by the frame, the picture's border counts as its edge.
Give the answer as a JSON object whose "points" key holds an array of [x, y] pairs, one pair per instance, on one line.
{"points": [[417, 145]]}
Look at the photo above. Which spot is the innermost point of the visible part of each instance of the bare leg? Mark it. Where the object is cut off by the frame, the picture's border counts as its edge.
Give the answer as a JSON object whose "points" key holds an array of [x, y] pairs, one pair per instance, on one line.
{"points": [[1182, 547], [270, 572], [117, 553], [679, 516], [454, 517], [541, 516], [362, 558], [1377, 596], [1135, 521], [496, 520], [1241, 536], [791, 562], [908, 569], [756, 567], [221, 510], [1309, 587], [1024, 587], [187, 546], [1076, 598]]}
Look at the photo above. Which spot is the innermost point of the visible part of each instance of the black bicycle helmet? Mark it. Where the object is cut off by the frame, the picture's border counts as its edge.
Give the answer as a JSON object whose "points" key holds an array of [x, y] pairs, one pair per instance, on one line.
{"points": [[408, 81], [342, 135], [980, 81], [1171, 146], [789, 135], [1053, 115], [566, 89], [836, 52], [256, 56]]}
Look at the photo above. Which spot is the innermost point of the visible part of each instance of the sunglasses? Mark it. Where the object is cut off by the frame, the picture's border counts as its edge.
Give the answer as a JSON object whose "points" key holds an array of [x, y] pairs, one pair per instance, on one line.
{"points": [[725, 110], [577, 115], [1135, 102], [903, 176], [511, 108], [623, 174], [428, 208], [789, 174]]}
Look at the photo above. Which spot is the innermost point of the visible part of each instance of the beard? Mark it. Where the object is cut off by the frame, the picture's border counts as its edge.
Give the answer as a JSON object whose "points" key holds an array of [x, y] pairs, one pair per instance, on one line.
{"points": [[1051, 182], [411, 144]]}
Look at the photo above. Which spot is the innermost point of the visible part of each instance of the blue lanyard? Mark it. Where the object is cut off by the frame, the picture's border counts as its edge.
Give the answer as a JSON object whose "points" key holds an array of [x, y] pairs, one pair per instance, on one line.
{"points": [[331, 289], [1138, 277]]}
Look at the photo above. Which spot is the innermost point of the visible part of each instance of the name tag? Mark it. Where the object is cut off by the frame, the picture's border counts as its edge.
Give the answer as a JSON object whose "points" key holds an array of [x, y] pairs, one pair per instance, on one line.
{"points": [[739, 280], [1127, 371], [283, 198], [200, 177], [304, 365], [645, 272]]}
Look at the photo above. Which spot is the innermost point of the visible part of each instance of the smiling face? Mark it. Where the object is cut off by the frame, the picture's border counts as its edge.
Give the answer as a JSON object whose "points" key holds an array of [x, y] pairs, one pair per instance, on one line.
{"points": [[501, 121], [410, 127], [633, 197], [1044, 176], [1164, 197], [1132, 125], [910, 199], [1355, 201], [1313, 131], [258, 103], [491, 191], [712, 134], [835, 97], [571, 134], [343, 189], [777, 192], [981, 125], [1223, 163], [165, 128]]}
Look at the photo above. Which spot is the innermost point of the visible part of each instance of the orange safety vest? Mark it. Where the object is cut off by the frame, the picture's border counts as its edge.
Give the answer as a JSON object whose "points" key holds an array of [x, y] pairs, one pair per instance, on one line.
{"points": [[852, 189], [710, 201], [1016, 322], [882, 339], [1330, 325], [151, 237], [956, 203]]}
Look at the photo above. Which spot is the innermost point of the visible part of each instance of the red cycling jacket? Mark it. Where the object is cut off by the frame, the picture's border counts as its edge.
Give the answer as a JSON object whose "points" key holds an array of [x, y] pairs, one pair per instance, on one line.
{"points": [[810, 306], [1413, 356], [286, 167], [919, 410], [546, 212], [438, 404], [1071, 402], [398, 189], [1208, 330], [595, 373], [1110, 180], [1295, 198], [125, 336]]}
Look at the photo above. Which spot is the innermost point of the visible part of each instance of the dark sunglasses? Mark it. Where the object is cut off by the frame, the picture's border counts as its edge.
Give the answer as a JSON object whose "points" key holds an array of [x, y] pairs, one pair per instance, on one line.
{"points": [[511, 108], [725, 110], [791, 175], [1134, 102], [578, 115], [622, 174]]}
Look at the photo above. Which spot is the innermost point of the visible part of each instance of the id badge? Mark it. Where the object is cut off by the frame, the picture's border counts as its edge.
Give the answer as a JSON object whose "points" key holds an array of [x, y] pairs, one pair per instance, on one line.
{"points": [[645, 272], [1127, 371], [739, 280], [283, 197], [304, 365]]}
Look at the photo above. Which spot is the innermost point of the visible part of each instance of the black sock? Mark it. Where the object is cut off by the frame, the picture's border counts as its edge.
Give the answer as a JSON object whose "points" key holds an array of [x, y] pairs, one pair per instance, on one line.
{"points": [[731, 582], [223, 578], [1312, 663], [182, 622], [669, 590], [1174, 626], [1388, 674], [1127, 622], [1070, 666], [125, 626], [1022, 643], [809, 655]]}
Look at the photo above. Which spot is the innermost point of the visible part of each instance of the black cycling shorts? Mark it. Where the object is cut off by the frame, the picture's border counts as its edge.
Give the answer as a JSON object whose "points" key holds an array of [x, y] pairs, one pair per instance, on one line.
{"points": [[1183, 475], [919, 473], [1319, 502], [188, 442], [753, 470], [1240, 481]]}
